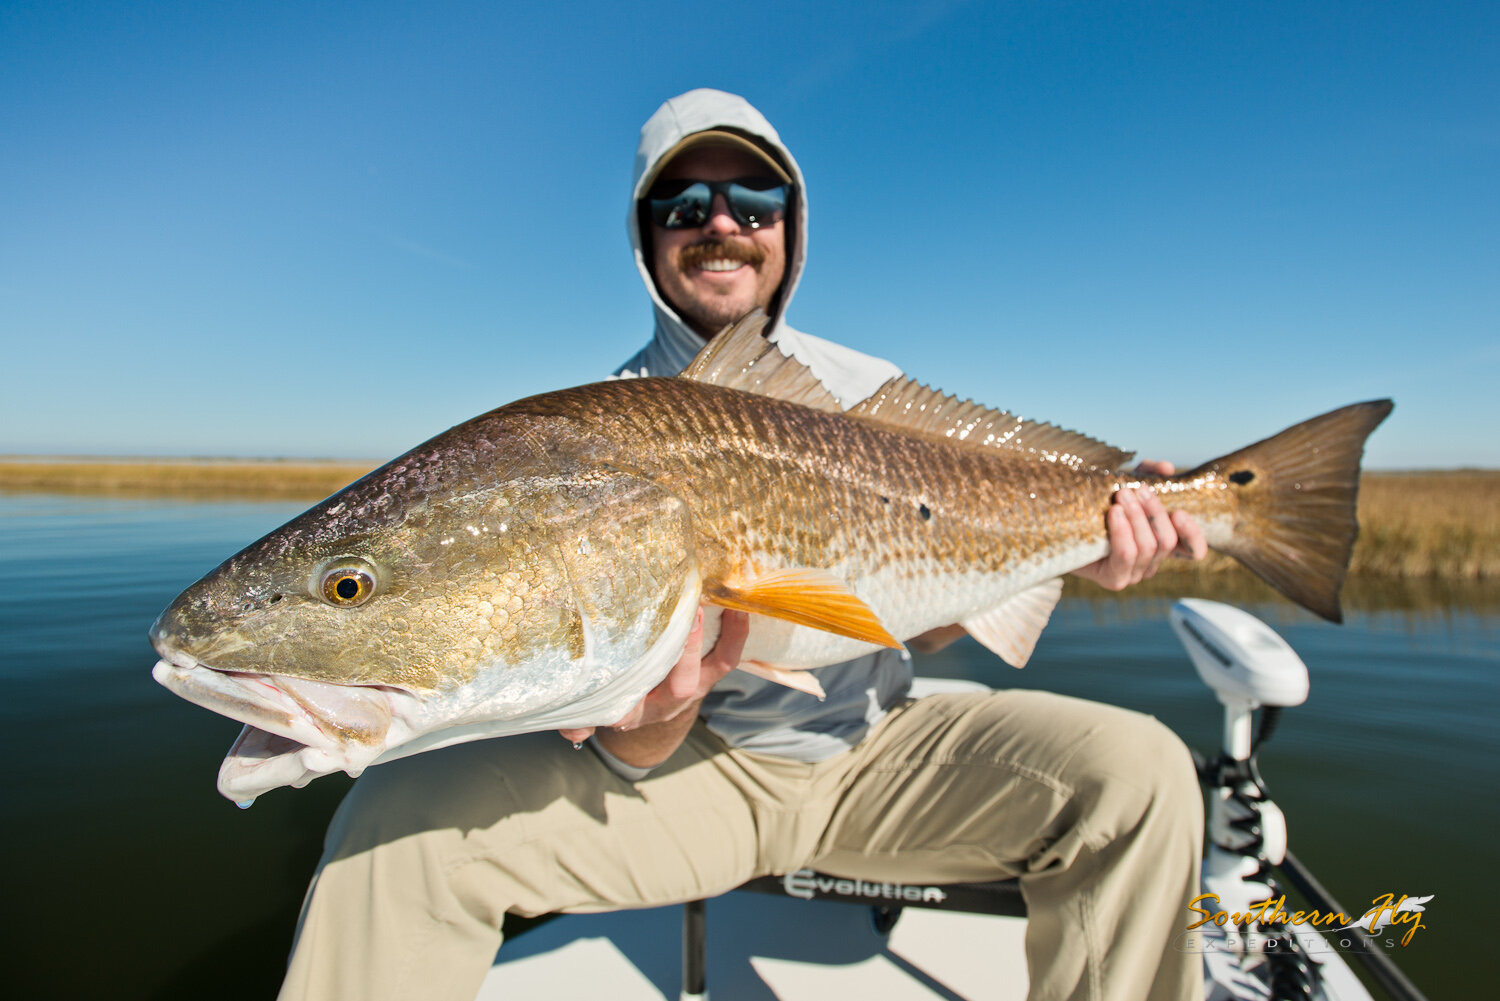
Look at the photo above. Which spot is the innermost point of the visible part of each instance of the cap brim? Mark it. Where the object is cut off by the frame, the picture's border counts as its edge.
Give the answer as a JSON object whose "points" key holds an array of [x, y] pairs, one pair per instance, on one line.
{"points": [[723, 139]]}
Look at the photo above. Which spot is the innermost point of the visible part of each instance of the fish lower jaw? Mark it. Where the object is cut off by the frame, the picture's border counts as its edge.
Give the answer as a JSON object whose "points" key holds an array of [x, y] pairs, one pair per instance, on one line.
{"points": [[260, 761], [284, 741]]}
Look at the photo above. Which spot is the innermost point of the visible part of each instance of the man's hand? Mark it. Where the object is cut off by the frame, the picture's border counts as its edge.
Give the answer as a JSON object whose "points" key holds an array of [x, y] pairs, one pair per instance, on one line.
{"points": [[650, 732], [1142, 533]]}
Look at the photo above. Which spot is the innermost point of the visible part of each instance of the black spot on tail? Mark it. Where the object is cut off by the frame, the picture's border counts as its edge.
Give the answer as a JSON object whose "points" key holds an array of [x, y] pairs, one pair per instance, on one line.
{"points": [[926, 512], [1241, 476]]}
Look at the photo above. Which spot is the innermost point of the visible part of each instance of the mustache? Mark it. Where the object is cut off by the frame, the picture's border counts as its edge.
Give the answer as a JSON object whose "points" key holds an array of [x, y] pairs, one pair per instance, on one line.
{"points": [[697, 254]]}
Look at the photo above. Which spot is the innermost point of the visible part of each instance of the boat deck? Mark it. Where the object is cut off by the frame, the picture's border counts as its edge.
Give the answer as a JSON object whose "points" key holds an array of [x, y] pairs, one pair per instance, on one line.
{"points": [[833, 950]]}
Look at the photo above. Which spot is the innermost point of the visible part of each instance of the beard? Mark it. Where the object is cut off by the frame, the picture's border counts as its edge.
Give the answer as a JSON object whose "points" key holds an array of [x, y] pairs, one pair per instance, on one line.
{"points": [[706, 312], [706, 300]]}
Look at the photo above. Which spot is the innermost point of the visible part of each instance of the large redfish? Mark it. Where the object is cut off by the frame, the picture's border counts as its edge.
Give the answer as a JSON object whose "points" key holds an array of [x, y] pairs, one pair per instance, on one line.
{"points": [[540, 567]]}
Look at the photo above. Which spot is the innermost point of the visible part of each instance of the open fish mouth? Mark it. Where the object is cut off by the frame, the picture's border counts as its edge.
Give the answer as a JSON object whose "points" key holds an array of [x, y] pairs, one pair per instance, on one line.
{"points": [[295, 729]]}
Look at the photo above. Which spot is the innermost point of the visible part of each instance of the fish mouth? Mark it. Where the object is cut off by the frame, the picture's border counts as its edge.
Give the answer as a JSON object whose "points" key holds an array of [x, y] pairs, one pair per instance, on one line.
{"points": [[295, 729]]}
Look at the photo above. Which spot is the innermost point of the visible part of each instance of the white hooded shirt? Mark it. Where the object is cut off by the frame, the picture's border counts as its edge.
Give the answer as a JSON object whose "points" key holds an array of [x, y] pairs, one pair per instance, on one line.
{"points": [[744, 710]]}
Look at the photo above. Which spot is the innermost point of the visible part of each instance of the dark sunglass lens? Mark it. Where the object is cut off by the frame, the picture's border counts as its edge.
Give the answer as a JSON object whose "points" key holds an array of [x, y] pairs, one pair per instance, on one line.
{"points": [[682, 209], [757, 208]]}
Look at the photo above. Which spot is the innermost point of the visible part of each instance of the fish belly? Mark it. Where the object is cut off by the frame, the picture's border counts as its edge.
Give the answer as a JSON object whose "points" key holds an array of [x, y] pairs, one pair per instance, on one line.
{"points": [[909, 601]]}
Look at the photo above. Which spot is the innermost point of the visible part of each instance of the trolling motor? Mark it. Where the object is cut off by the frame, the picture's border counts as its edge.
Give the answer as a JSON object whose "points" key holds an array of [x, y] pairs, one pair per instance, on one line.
{"points": [[1249, 667]]}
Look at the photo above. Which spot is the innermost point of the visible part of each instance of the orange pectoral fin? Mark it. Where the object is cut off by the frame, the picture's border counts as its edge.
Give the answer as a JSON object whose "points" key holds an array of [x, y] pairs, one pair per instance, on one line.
{"points": [[813, 598]]}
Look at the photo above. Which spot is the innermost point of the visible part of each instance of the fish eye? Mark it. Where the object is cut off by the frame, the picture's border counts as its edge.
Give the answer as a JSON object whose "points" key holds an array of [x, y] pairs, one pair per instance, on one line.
{"points": [[347, 583]]}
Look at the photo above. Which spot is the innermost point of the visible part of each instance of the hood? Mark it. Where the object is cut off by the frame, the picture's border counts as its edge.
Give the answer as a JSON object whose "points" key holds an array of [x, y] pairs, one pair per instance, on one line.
{"points": [[696, 111]]}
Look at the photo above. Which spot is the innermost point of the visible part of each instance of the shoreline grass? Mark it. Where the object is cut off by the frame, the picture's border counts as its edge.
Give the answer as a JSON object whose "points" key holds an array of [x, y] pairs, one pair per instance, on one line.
{"points": [[1421, 524], [207, 478]]}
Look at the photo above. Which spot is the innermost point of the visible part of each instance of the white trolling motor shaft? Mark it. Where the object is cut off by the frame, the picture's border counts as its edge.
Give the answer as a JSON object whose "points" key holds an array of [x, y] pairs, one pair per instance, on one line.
{"points": [[1248, 666]]}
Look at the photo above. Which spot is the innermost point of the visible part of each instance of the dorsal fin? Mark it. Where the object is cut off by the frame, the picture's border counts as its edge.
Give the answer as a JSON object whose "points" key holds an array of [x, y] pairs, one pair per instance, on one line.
{"points": [[909, 406], [740, 358]]}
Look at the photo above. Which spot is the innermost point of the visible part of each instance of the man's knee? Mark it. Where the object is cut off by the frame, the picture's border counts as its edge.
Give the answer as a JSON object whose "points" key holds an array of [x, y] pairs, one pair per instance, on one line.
{"points": [[453, 791], [1136, 766]]}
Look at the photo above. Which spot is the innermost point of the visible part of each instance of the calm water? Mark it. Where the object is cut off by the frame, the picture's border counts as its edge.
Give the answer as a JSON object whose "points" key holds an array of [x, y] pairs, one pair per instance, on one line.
{"points": [[129, 876]]}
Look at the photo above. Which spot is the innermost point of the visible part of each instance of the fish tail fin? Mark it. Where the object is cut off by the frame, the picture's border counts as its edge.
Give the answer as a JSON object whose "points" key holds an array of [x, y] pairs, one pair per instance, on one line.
{"points": [[1296, 523]]}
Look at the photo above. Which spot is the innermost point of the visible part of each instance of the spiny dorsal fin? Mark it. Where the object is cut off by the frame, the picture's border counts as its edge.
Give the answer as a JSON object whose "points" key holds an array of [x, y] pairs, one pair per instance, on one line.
{"points": [[1012, 628], [814, 598], [909, 406], [740, 358]]}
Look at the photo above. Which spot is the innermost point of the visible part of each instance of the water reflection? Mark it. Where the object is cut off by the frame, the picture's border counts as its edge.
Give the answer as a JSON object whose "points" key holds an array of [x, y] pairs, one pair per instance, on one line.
{"points": [[110, 780]]}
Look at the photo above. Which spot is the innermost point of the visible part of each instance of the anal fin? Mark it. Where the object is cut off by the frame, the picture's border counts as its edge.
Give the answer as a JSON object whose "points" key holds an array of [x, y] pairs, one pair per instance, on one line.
{"points": [[1011, 628], [813, 598]]}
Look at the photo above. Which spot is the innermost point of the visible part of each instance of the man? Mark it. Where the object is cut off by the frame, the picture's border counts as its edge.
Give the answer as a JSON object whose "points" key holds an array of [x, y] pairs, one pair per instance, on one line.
{"points": [[717, 777]]}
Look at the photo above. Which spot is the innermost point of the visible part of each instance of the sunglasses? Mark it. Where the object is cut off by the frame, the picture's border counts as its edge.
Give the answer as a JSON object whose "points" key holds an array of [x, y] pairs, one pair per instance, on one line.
{"points": [[686, 204]]}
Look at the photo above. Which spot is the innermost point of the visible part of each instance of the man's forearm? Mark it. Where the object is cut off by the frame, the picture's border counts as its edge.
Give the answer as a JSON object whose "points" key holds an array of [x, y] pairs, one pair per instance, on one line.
{"points": [[650, 745]]}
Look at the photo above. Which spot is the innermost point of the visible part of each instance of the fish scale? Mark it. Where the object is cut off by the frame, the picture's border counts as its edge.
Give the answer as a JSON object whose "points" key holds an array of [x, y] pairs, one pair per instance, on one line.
{"points": [[822, 490], [541, 566]]}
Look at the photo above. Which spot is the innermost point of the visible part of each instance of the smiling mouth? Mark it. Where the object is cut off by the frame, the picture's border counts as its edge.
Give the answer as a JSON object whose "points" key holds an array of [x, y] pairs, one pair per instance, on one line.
{"points": [[721, 255], [721, 265]]}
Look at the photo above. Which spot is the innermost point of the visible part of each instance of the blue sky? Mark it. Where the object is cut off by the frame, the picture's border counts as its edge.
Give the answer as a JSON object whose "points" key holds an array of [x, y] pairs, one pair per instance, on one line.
{"points": [[334, 229]]}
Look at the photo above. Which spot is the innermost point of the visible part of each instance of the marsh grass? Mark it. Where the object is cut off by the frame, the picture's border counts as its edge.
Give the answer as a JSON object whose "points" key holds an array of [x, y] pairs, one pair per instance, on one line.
{"points": [[218, 479], [1414, 525], [1430, 525], [1365, 592], [1435, 525]]}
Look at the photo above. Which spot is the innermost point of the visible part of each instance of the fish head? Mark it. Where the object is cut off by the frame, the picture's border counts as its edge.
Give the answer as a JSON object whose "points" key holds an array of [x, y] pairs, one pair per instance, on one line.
{"points": [[389, 619]]}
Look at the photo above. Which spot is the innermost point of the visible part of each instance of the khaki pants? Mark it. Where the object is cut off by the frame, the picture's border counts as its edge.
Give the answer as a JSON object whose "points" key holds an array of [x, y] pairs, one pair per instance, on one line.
{"points": [[1097, 810]]}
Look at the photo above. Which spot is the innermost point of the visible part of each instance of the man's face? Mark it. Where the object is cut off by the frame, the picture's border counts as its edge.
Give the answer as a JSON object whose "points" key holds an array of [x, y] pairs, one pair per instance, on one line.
{"points": [[716, 273]]}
